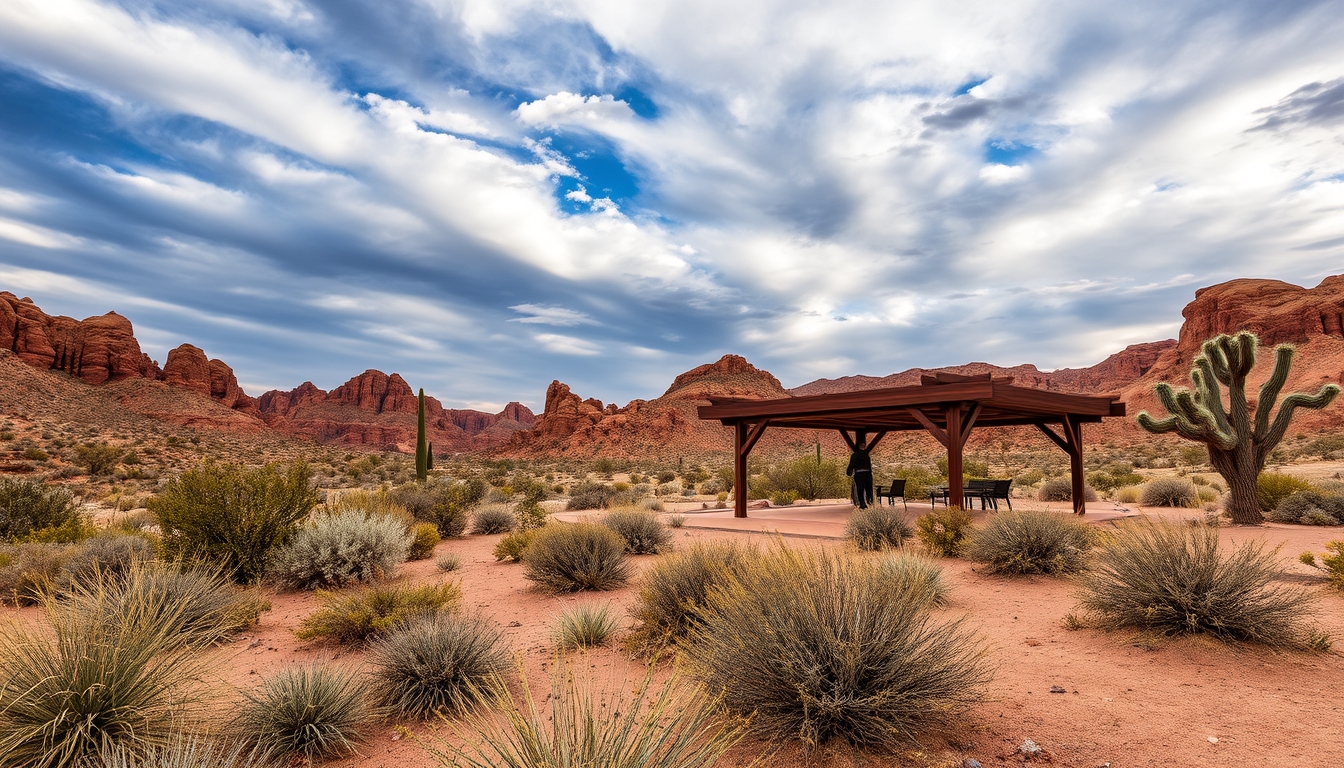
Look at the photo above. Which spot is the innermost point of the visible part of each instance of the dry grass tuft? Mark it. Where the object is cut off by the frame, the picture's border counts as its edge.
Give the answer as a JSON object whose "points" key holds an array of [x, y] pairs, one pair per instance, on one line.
{"points": [[675, 586], [877, 528], [1031, 542], [439, 664], [585, 626], [643, 532], [356, 617], [577, 556], [306, 711]]}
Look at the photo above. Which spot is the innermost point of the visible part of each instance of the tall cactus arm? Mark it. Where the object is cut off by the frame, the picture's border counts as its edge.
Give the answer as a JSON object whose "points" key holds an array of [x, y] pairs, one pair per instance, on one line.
{"points": [[1217, 357], [1269, 391], [1321, 399], [1188, 418], [1206, 384]]}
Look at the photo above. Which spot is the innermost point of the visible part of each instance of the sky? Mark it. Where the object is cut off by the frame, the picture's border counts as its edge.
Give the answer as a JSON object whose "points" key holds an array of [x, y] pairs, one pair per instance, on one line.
{"points": [[485, 195]]}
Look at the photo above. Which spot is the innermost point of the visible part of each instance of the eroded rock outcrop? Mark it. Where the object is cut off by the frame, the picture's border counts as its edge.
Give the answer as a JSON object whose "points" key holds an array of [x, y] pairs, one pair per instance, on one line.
{"points": [[96, 349], [189, 368]]}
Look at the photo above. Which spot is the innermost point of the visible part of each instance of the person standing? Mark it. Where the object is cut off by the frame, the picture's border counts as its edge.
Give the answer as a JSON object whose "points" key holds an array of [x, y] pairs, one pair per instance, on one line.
{"points": [[861, 470]]}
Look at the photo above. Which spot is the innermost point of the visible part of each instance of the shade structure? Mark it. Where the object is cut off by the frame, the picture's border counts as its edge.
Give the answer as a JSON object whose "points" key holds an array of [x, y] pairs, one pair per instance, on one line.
{"points": [[947, 406]]}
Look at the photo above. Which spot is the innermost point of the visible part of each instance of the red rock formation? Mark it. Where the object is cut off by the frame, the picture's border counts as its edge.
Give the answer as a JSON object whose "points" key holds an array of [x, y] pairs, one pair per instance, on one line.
{"points": [[97, 349], [188, 367]]}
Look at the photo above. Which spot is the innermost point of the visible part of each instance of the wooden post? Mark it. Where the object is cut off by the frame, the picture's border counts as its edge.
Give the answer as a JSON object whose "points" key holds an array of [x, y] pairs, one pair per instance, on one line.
{"points": [[1073, 434], [955, 491], [740, 470]]}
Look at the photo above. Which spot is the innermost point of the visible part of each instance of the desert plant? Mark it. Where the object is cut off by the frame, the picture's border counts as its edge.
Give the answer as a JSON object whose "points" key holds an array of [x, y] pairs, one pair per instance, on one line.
{"points": [[98, 458], [1128, 494], [424, 538], [446, 504], [528, 511], [27, 570], [341, 549], [356, 617], [877, 528], [803, 478], [584, 626], [673, 589], [820, 646], [514, 545], [672, 725], [1311, 508], [1169, 492], [577, 556], [421, 446], [1273, 487], [1332, 562], [1175, 580], [449, 562], [944, 532], [676, 521], [309, 711], [233, 516], [104, 557], [918, 480], [588, 495], [184, 751], [643, 532], [28, 506], [916, 576], [442, 663], [1061, 489], [1238, 446], [493, 519], [1031, 542]]}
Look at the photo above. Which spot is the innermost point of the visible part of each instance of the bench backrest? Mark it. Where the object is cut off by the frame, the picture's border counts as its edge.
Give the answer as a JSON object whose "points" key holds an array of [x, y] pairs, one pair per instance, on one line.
{"points": [[897, 488], [980, 485], [1001, 488]]}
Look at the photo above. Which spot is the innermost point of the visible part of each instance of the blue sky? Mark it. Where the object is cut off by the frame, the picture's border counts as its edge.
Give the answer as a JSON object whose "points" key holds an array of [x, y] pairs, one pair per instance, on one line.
{"points": [[484, 195]]}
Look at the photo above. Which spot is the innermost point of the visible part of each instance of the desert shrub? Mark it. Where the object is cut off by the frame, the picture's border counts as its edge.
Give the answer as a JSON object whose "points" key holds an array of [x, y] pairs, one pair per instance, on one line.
{"points": [[820, 646], [803, 478], [676, 586], [877, 528], [1169, 492], [1114, 475], [98, 458], [783, 498], [584, 626], [650, 504], [356, 617], [233, 516], [1061, 489], [449, 562], [368, 502], [445, 504], [104, 556], [944, 532], [918, 577], [26, 570], [341, 549], [493, 519], [1323, 509], [442, 664], [28, 506], [306, 711], [589, 495], [89, 685], [1332, 562], [183, 751], [424, 538], [672, 726], [676, 521], [1031, 542], [1176, 580], [643, 532], [1273, 487], [514, 545], [578, 556], [1128, 494]]}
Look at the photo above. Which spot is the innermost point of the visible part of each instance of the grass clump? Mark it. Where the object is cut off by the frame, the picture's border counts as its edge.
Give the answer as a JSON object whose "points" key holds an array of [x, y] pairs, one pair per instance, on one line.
{"points": [[584, 626], [1129, 494], [918, 577], [1061, 489], [1169, 492], [643, 532], [820, 646], [493, 519], [1175, 580], [1031, 542], [449, 562], [443, 664], [673, 725], [676, 521], [424, 538], [340, 549], [877, 528], [29, 507], [943, 532], [356, 617], [183, 751], [233, 516], [104, 557], [306, 711], [1332, 562], [577, 556], [27, 570], [513, 546], [1310, 508], [676, 586], [1273, 487], [445, 504]]}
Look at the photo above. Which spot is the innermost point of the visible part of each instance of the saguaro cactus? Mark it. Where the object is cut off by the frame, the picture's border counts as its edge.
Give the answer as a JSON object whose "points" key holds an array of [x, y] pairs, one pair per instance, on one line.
{"points": [[1238, 445], [421, 447]]}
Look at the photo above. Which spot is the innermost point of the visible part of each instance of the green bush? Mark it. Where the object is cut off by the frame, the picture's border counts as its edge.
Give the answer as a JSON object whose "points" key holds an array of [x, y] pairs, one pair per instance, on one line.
{"points": [[577, 556], [1169, 492], [643, 532], [584, 626], [1175, 580], [424, 538], [341, 549], [589, 495], [356, 617], [444, 664], [1061, 489], [1310, 508], [944, 532], [514, 545], [306, 711], [28, 570], [233, 516], [918, 577], [1273, 487], [1031, 542], [29, 506], [1332, 562], [918, 481], [673, 589], [449, 562], [820, 646], [98, 458], [803, 478], [492, 520], [877, 528], [445, 504]]}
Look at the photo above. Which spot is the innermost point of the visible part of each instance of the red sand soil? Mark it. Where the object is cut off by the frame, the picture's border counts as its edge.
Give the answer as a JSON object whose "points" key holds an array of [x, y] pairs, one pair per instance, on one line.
{"points": [[1130, 701]]}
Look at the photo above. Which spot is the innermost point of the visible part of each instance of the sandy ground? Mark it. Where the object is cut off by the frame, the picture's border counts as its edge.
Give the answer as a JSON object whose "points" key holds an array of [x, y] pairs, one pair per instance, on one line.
{"points": [[1130, 701]]}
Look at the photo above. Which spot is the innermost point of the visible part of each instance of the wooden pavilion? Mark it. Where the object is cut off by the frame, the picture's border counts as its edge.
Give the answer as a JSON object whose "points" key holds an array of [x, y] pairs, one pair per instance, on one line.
{"points": [[947, 405]]}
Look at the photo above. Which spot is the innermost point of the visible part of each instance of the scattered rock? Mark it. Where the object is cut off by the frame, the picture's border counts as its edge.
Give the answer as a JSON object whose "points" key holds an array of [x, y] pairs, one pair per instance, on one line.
{"points": [[1213, 739], [1029, 748], [970, 762], [1058, 689]]}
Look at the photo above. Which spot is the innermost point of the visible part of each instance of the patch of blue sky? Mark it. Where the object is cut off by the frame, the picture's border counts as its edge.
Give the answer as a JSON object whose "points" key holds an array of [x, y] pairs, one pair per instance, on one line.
{"points": [[1008, 152], [640, 102], [601, 173], [967, 86]]}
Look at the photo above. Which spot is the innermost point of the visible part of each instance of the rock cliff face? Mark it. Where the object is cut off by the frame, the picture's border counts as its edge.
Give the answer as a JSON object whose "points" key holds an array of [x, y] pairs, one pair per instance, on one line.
{"points": [[98, 349], [188, 367]]}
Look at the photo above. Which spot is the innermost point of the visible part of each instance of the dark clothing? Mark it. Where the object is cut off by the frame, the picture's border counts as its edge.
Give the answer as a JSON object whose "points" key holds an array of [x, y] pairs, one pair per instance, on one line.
{"points": [[861, 469]]}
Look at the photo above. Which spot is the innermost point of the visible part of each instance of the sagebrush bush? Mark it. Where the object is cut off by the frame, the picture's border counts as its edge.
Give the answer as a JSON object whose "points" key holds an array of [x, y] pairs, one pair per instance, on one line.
{"points": [[233, 516], [820, 646], [514, 545], [424, 538], [1310, 508], [1273, 487], [1129, 494], [576, 556], [445, 504], [676, 521], [443, 664], [30, 506], [590, 495], [672, 725], [1176, 580], [184, 751], [943, 532], [584, 626], [355, 617], [877, 528], [1061, 489], [105, 557], [341, 549], [492, 519], [26, 570], [918, 577], [643, 532], [673, 588], [1169, 492], [306, 711], [1031, 542]]}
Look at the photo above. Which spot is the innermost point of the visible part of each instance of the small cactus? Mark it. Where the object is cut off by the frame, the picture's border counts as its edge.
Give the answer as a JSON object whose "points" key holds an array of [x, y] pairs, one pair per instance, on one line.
{"points": [[422, 457]]}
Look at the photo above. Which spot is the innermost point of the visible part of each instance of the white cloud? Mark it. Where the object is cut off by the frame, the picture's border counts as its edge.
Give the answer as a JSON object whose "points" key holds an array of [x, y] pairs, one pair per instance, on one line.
{"points": [[567, 345], [565, 107], [535, 313]]}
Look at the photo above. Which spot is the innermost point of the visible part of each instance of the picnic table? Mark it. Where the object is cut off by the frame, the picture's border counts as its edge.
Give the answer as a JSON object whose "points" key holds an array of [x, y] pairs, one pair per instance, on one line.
{"points": [[987, 491]]}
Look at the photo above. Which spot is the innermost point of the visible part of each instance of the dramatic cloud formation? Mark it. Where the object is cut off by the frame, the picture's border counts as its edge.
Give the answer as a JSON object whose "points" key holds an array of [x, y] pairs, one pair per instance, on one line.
{"points": [[486, 195]]}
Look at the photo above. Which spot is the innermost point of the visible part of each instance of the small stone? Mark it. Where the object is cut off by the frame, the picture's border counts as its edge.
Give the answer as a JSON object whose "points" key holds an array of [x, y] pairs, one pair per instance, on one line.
{"points": [[1029, 747], [1058, 689], [970, 762], [515, 624], [1213, 739]]}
